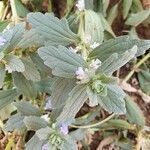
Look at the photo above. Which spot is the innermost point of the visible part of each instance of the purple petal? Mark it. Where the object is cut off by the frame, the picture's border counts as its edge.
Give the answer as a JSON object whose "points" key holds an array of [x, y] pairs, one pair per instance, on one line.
{"points": [[45, 147], [64, 128], [2, 41]]}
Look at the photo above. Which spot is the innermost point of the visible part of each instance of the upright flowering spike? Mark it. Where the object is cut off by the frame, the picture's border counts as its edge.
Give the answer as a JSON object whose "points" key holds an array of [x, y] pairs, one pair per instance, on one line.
{"points": [[64, 129], [95, 64], [80, 5], [2, 41]]}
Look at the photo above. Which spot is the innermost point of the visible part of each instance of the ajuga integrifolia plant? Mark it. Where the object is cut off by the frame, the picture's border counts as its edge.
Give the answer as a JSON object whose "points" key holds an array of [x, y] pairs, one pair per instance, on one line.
{"points": [[48, 71]]}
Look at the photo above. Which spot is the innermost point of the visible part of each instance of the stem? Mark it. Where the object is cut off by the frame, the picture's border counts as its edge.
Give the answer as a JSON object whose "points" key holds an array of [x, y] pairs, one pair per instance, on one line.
{"points": [[95, 124], [146, 57]]}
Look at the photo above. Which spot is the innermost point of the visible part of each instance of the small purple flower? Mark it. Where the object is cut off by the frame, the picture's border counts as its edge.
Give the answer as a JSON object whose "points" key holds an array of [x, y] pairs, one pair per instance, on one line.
{"points": [[2, 41], [45, 147], [64, 129]]}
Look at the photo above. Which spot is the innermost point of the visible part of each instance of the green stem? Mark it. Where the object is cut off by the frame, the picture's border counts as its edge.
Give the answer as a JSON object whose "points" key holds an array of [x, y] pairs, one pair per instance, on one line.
{"points": [[95, 124], [146, 57]]}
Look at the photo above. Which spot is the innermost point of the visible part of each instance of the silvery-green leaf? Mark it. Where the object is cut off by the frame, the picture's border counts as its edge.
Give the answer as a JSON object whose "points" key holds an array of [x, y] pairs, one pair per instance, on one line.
{"points": [[13, 64], [69, 143], [2, 76], [18, 9], [114, 101], [126, 7], [63, 62], [26, 109], [133, 34], [5, 113], [93, 26], [7, 97], [44, 133], [134, 113], [77, 98], [45, 85], [43, 69], [136, 19], [113, 63], [60, 92], [89, 4], [3, 24], [93, 101], [119, 45], [78, 134], [34, 143], [24, 86], [112, 14], [144, 79], [15, 34], [31, 38], [34, 123], [15, 122], [137, 6], [105, 6], [31, 72], [54, 30], [106, 25]]}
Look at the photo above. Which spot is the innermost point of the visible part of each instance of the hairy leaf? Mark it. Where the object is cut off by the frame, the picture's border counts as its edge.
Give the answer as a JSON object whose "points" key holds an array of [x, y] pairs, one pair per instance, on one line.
{"points": [[24, 86], [119, 45], [55, 31], [13, 63], [26, 109], [63, 62], [93, 27], [114, 101], [126, 7], [134, 113], [34, 123], [136, 19], [7, 97], [31, 72], [77, 98]]}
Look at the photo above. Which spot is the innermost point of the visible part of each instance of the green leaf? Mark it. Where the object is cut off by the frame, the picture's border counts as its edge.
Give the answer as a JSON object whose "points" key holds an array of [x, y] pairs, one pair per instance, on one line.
{"points": [[126, 7], [105, 6], [43, 69], [77, 98], [106, 25], [89, 4], [26, 109], [30, 72], [138, 18], [63, 62], [2, 73], [24, 86], [31, 38], [113, 63], [13, 64], [93, 97], [7, 97], [112, 14], [114, 101], [15, 122], [55, 31], [119, 45], [18, 9], [93, 26], [3, 24], [34, 143], [34, 123], [137, 5], [60, 92], [13, 37], [144, 79], [134, 113]]}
